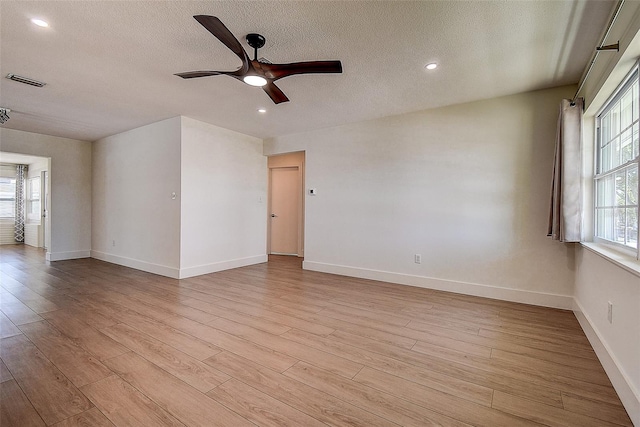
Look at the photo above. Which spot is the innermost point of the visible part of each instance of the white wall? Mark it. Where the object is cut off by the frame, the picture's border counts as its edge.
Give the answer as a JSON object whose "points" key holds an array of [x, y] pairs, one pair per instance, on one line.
{"points": [[598, 279], [611, 66], [36, 168], [465, 186], [70, 188], [134, 176], [32, 235], [617, 344], [218, 217], [224, 178]]}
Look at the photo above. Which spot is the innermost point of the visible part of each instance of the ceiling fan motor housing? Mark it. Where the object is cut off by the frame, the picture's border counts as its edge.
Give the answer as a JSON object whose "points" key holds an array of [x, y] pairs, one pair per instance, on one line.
{"points": [[256, 41]]}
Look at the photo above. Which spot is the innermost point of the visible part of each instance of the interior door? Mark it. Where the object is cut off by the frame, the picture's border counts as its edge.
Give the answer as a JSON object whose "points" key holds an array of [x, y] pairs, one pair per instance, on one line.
{"points": [[285, 194]]}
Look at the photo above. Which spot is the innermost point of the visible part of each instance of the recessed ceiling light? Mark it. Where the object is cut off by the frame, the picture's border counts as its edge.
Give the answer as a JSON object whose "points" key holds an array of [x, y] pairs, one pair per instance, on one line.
{"points": [[431, 66], [255, 80], [262, 110], [40, 22]]}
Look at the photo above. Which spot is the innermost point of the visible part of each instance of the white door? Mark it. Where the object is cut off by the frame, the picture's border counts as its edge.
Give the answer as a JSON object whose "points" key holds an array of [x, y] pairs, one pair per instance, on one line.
{"points": [[284, 215]]}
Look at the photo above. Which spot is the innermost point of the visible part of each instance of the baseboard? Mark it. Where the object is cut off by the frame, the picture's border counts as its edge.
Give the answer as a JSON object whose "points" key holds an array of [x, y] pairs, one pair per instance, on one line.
{"points": [[177, 273], [506, 294], [61, 256], [219, 266], [628, 395], [161, 270]]}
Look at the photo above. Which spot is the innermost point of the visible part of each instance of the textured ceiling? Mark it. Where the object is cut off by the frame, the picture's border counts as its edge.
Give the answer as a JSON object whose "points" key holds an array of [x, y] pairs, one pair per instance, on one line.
{"points": [[109, 65]]}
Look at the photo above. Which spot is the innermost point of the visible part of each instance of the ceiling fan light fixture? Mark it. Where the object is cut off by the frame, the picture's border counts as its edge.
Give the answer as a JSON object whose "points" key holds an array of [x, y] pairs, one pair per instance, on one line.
{"points": [[254, 72], [254, 80]]}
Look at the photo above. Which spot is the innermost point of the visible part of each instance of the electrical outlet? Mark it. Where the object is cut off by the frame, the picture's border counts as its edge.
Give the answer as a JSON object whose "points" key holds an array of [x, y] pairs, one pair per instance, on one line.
{"points": [[417, 258], [610, 312]]}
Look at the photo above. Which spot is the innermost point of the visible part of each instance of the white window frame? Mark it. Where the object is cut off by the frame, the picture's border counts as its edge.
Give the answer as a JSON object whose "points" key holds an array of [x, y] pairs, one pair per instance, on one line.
{"points": [[633, 75], [33, 218]]}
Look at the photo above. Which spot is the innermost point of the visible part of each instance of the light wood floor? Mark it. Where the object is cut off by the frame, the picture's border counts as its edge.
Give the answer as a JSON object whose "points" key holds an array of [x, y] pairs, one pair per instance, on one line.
{"points": [[89, 343]]}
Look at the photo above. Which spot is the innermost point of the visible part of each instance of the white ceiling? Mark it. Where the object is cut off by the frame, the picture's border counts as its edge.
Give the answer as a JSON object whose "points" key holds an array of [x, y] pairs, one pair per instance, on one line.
{"points": [[109, 65]]}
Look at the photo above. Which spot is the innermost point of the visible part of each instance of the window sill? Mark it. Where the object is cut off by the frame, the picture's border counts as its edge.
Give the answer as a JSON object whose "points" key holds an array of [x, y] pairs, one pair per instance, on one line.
{"points": [[614, 255]]}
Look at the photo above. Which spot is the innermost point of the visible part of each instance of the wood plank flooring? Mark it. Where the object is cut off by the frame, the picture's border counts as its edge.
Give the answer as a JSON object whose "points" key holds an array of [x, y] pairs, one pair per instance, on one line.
{"points": [[88, 343]]}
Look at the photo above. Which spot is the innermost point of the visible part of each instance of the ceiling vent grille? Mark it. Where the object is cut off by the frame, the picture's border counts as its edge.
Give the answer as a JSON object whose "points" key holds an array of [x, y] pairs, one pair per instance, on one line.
{"points": [[25, 80]]}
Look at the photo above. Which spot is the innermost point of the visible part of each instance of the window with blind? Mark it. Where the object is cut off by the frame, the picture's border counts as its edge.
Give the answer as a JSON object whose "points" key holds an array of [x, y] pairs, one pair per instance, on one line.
{"points": [[7, 197], [616, 178], [33, 200]]}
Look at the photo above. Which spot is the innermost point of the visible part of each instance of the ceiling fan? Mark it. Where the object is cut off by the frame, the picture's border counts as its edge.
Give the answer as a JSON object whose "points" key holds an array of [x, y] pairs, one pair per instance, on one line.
{"points": [[255, 72]]}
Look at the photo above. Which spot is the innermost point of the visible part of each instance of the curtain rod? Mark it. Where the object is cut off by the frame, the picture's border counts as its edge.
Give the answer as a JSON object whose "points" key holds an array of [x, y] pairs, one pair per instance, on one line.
{"points": [[599, 48]]}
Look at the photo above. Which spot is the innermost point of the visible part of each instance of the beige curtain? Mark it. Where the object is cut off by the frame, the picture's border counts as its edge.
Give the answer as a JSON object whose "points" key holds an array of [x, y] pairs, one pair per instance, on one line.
{"points": [[565, 214]]}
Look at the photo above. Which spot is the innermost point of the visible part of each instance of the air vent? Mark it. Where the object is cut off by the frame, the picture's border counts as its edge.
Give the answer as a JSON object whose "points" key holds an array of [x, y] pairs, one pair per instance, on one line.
{"points": [[4, 115], [25, 80]]}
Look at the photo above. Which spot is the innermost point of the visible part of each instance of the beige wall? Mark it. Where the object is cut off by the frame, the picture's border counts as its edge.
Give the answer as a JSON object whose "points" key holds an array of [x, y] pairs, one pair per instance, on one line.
{"points": [[70, 184], [465, 186]]}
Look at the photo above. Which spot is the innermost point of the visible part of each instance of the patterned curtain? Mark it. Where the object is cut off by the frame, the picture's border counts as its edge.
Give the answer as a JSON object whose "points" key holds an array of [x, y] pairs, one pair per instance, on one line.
{"points": [[21, 176]]}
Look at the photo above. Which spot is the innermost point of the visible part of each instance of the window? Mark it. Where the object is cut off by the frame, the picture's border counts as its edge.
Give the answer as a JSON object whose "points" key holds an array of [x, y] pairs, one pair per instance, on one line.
{"points": [[33, 200], [616, 178], [7, 197]]}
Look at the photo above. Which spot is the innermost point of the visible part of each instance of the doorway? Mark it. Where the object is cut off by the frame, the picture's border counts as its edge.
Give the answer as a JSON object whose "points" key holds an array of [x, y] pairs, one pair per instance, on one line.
{"points": [[36, 200], [284, 211], [286, 205]]}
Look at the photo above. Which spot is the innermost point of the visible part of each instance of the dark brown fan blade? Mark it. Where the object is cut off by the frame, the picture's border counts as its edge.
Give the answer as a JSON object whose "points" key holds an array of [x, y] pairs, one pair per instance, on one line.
{"points": [[222, 33], [274, 92], [194, 74], [278, 71]]}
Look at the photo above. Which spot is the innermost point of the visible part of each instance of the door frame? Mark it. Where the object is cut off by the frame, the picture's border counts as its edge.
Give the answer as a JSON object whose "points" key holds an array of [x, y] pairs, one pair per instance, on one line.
{"points": [[45, 210], [288, 160]]}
